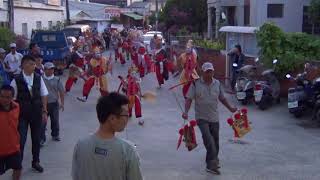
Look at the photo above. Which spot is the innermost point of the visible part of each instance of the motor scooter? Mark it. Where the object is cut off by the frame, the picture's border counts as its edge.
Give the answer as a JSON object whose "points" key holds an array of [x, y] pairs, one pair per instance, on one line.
{"points": [[300, 98], [267, 91], [316, 109], [245, 83]]}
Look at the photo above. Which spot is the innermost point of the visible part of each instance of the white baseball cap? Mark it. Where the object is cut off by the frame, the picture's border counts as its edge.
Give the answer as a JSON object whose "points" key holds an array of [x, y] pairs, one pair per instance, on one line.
{"points": [[13, 45], [2, 50], [207, 66], [49, 65]]}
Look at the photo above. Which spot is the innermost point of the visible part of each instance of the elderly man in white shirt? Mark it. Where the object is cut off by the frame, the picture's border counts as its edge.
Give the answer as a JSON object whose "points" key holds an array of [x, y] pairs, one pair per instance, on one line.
{"points": [[13, 61], [31, 94]]}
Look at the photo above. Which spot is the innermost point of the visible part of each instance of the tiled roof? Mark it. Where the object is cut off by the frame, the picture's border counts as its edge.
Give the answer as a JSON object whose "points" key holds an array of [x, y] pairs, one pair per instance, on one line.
{"points": [[95, 10]]}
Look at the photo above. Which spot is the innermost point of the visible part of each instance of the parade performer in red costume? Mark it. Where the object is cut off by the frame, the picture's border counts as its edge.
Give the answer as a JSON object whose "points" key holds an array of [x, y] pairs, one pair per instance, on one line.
{"points": [[189, 73], [76, 68], [160, 59], [121, 52], [134, 56], [144, 61], [96, 75], [131, 86]]}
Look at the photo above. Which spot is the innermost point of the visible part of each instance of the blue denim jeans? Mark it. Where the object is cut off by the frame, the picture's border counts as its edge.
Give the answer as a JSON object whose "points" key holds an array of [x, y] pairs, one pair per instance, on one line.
{"points": [[35, 126]]}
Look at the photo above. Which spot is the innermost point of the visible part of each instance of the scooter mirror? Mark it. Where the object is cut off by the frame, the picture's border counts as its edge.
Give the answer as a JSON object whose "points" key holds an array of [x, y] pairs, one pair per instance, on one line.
{"points": [[235, 65], [288, 76], [275, 61], [257, 59]]}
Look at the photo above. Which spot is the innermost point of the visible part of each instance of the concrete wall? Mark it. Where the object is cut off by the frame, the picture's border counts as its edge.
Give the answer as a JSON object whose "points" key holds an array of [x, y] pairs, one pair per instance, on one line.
{"points": [[292, 14], [3, 11], [31, 16]]}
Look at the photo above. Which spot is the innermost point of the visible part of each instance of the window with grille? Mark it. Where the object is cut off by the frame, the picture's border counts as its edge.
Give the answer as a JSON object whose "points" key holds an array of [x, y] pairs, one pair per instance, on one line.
{"points": [[275, 10], [38, 25]]}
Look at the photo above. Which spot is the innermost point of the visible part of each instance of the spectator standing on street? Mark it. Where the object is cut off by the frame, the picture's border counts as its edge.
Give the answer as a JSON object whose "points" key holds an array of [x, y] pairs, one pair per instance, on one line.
{"points": [[10, 157], [153, 42], [55, 102], [102, 156], [34, 50], [4, 79], [206, 92], [31, 94], [13, 61], [39, 66], [237, 57], [107, 37]]}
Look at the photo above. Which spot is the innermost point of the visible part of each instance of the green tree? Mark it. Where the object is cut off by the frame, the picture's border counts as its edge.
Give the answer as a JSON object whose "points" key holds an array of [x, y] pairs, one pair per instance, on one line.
{"points": [[6, 37], [185, 13], [314, 13], [291, 49]]}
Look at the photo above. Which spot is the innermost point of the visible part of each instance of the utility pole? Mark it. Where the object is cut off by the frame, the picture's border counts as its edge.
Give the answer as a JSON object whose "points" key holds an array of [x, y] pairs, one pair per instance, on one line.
{"points": [[68, 12], [157, 15], [11, 15]]}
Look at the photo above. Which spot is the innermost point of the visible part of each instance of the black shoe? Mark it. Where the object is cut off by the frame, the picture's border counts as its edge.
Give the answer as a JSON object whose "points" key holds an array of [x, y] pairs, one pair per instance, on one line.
{"points": [[56, 138], [36, 166]]}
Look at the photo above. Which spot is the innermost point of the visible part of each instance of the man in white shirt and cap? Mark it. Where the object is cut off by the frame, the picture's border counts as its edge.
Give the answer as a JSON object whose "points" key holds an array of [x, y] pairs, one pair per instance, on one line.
{"points": [[13, 61], [31, 94]]}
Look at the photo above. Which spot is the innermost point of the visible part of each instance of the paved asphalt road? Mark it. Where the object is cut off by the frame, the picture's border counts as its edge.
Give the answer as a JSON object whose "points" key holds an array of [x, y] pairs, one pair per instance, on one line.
{"points": [[277, 148]]}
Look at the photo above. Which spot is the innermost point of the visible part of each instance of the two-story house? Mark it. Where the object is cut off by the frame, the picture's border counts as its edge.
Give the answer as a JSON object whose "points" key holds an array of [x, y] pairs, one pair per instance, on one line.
{"points": [[289, 15], [33, 14]]}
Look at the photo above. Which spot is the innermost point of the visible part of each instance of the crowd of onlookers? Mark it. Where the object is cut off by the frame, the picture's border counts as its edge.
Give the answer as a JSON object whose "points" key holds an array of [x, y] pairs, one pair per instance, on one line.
{"points": [[29, 94]]}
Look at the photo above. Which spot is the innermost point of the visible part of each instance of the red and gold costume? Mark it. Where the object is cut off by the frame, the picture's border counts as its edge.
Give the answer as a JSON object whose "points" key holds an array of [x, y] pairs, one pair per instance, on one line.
{"points": [[143, 62], [98, 67], [161, 66], [131, 87], [189, 73], [76, 69]]}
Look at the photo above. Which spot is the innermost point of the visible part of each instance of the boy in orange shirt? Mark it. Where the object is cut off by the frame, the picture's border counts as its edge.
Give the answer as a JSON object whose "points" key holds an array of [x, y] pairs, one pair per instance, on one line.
{"points": [[10, 157]]}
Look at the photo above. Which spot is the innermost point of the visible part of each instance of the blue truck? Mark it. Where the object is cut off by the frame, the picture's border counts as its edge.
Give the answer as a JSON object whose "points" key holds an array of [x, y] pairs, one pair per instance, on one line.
{"points": [[54, 47]]}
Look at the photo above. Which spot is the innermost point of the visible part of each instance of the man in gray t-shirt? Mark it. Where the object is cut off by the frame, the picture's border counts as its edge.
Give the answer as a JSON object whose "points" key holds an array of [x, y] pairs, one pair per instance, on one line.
{"points": [[206, 92], [102, 156], [55, 102]]}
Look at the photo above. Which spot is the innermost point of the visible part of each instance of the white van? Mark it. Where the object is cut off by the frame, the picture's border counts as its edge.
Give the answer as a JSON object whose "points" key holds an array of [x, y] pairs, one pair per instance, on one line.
{"points": [[76, 30]]}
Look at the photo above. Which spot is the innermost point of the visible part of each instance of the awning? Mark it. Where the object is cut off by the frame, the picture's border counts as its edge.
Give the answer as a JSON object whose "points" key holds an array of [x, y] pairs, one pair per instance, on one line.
{"points": [[134, 16], [239, 29]]}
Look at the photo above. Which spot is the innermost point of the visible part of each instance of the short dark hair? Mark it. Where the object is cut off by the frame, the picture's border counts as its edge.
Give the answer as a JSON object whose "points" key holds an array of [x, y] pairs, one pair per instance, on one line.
{"points": [[32, 45], [7, 87], [110, 104], [238, 46], [27, 58]]}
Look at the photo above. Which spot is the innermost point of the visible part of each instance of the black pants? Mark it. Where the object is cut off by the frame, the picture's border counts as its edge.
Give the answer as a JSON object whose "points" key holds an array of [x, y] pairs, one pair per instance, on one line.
{"points": [[210, 136], [53, 113], [35, 126]]}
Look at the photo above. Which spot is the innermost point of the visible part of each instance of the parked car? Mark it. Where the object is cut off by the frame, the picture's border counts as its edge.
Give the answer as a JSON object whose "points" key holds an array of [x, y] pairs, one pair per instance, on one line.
{"points": [[147, 38], [54, 47]]}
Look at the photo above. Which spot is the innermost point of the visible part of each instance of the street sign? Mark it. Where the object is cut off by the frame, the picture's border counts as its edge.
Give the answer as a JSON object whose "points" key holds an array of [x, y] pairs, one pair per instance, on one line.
{"points": [[111, 12]]}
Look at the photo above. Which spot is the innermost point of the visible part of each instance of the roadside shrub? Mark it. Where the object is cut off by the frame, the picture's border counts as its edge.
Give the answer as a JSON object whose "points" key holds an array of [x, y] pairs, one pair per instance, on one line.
{"points": [[291, 49], [209, 44], [22, 42], [6, 37]]}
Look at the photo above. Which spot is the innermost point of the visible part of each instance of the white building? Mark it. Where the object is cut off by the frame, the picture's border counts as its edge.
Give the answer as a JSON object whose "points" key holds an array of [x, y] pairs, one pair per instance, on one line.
{"points": [[289, 15], [29, 16]]}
